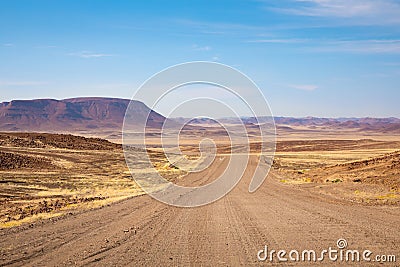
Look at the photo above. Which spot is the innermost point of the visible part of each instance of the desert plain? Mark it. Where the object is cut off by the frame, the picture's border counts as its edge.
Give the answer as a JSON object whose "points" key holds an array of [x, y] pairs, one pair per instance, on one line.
{"points": [[71, 200]]}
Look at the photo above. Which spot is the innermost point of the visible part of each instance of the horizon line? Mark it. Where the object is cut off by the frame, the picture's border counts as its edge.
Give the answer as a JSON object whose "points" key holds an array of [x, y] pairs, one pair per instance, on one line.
{"points": [[244, 116]]}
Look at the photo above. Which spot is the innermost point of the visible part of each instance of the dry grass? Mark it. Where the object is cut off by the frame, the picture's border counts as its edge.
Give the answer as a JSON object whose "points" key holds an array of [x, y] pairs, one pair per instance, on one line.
{"points": [[78, 180], [366, 171]]}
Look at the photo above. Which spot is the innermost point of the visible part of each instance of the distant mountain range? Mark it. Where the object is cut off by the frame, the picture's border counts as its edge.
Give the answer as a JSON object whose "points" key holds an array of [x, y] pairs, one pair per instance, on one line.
{"points": [[363, 124], [391, 124], [94, 114]]}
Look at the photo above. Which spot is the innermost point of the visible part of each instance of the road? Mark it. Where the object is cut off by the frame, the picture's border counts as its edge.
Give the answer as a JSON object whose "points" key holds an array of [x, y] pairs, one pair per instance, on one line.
{"points": [[143, 232]]}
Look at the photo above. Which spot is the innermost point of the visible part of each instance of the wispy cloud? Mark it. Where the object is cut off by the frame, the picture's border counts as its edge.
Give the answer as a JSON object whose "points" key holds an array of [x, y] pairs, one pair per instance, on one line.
{"points": [[45, 46], [304, 87], [391, 64], [368, 46], [21, 83], [89, 54], [8, 44], [278, 41], [374, 12], [361, 46], [201, 48], [220, 28], [213, 32], [110, 86]]}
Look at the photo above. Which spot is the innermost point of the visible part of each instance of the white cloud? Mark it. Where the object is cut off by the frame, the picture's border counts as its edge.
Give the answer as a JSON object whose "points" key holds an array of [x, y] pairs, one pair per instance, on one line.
{"points": [[361, 46], [391, 64], [217, 27], [278, 41], [201, 48], [373, 12], [369, 46], [8, 44], [213, 32], [110, 86], [21, 83], [304, 87], [89, 54], [46, 46]]}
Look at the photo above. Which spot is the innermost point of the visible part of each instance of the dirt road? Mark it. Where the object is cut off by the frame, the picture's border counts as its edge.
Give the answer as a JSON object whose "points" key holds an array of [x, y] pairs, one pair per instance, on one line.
{"points": [[143, 232]]}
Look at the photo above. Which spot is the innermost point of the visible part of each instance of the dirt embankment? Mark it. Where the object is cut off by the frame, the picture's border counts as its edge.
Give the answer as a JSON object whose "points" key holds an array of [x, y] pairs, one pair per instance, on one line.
{"points": [[383, 170]]}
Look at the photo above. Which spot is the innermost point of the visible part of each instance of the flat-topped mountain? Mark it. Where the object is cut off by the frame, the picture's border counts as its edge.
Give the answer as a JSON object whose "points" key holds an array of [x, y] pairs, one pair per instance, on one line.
{"points": [[75, 114]]}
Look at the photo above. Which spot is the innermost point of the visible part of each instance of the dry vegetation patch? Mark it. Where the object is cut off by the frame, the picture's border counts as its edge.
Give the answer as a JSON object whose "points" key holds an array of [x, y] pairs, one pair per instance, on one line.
{"points": [[45, 140], [364, 171], [47, 175], [9, 160]]}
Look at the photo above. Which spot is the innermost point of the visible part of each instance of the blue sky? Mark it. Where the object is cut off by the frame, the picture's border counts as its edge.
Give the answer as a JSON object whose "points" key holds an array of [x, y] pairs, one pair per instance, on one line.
{"points": [[327, 58]]}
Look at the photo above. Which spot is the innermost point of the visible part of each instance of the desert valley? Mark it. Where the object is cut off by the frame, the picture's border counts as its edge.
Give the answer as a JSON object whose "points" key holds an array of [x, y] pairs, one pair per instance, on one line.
{"points": [[67, 196]]}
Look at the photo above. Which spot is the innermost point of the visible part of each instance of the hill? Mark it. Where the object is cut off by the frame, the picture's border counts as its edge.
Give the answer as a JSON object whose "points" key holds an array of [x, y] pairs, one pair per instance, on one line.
{"points": [[71, 115]]}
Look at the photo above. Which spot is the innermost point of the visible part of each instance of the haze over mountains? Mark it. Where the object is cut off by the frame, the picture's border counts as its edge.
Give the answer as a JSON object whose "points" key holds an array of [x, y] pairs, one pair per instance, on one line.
{"points": [[391, 124], [107, 114]]}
